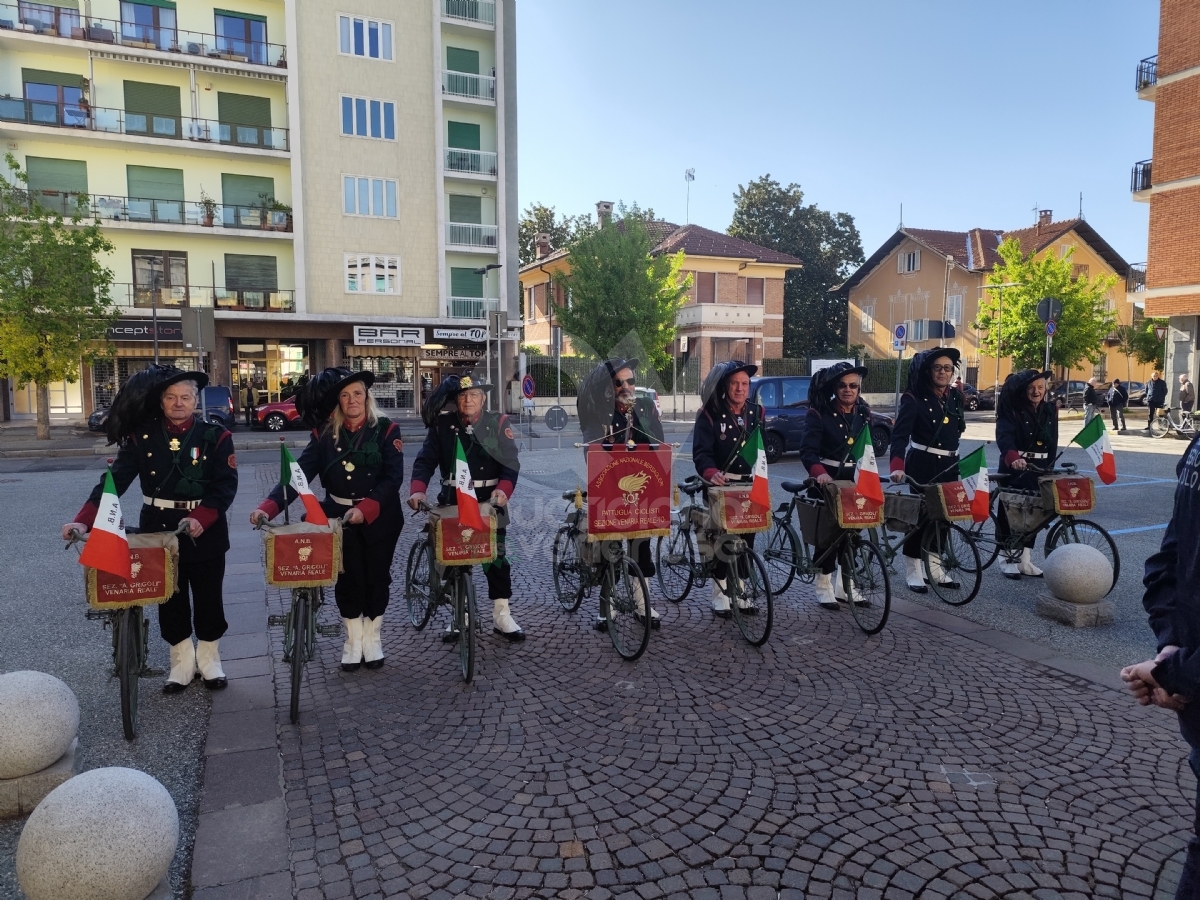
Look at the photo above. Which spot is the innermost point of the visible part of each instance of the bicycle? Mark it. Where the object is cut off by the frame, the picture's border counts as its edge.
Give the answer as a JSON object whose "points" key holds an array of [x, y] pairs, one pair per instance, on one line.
{"points": [[692, 550], [863, 571], [1176, 420]]}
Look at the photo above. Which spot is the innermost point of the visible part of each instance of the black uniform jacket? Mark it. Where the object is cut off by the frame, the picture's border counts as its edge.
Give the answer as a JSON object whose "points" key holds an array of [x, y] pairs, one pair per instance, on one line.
{"points": [[1172, 595], [719, 436], [490, 449], [829, 438], [202, 467], [643, 423], [1156, 392], [366, 466], [1118, 396], [931, 421], [1089, 396], [1025, 432]]}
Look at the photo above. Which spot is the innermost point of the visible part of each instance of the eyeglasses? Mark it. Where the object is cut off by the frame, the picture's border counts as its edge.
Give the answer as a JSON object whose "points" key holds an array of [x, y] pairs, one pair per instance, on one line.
{"points": [[617, 382], [941, 368], [848, 386]]}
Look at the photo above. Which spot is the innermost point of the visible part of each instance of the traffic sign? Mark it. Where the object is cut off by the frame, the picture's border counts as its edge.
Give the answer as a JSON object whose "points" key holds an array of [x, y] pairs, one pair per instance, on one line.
{"points": [[527, 387], [901, 332], [1160, 332], [898, 344], [1049, 310], [556, 418], [1051, 328]]}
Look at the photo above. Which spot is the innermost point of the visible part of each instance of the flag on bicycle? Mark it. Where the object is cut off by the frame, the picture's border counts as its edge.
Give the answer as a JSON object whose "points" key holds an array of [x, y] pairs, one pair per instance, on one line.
{"points": [[468, 505], [974, 474], [107, 548], [292, 475], [756, 458], [1094, 439], [866, 472]]}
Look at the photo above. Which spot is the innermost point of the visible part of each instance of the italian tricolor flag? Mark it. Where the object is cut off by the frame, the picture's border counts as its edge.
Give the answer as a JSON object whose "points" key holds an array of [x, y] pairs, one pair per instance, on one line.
{"points": [[756, 458], [292, 475], [866, 472], [1094, 439], [107, 548], [974, 474], [468, 505]]}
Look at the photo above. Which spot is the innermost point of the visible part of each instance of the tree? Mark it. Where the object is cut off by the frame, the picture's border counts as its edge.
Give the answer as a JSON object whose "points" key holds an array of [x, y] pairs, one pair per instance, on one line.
{"points": [[1137, 340], [1015, 330], [539, 218], [616, 287], [54, 307], [829, 246]]}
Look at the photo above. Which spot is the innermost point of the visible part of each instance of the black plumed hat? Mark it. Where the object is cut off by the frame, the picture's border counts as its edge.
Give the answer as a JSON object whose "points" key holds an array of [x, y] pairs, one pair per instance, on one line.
{"points": [[140, 399]]}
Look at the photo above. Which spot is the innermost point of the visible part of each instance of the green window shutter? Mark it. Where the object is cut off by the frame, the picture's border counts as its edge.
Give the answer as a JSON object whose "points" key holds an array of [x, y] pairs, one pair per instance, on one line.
{"points": [[42, 76], [244, 109], [458, 60], [468, 210], [67, 175], [239, 15], [152, 99], [244, 190], [465, 283], [161, 4], [62, 4], [151, 183], [463, 136], [251, 273]]}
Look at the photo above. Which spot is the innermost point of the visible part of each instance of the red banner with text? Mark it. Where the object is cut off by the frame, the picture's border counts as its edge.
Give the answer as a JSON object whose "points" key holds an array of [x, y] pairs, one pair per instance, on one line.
{"points": [[629, 493]]}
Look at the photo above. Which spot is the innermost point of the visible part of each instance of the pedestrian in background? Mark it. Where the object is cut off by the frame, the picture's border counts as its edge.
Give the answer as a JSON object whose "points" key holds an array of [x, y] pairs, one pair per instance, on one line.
{"points": [[1156, 397], [251, 402], [1118, 399], [1090, 400], [1187, 394]]}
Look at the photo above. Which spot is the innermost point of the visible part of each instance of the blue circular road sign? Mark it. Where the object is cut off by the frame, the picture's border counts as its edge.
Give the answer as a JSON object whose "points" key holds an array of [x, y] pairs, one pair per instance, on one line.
{"points": [[901, 331], [527, 387], [1051, 327]]}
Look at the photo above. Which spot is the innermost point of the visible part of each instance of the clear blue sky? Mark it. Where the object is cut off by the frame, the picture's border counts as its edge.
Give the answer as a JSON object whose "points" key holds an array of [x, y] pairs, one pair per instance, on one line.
{"points": [[968, 113]]}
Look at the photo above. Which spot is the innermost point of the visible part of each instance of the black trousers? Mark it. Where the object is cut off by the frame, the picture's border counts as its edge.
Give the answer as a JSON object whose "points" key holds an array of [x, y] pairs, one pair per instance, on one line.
{"points": [[1151, 412], [721, 566], [198, 601], [363, 588], [499, 573], [1189, 879]]}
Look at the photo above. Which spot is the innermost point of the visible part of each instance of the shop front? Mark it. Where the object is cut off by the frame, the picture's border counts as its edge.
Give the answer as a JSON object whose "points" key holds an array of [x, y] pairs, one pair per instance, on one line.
{"points": [[391, 353], [452, 351], [133, 343]]}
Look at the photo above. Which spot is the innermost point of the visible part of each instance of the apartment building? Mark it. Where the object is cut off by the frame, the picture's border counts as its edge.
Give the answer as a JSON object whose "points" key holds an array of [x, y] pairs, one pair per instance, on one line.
{"points": [[1169, 283], [337, 181]]}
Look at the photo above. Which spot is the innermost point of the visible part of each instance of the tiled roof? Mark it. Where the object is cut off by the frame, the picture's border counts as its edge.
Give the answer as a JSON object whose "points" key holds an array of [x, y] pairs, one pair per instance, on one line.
{"points": [[696, 241]]}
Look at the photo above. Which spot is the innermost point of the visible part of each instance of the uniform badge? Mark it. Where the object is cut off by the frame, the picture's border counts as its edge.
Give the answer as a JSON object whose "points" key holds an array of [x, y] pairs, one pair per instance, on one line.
{"points": [[233, 460], [349, 466], [399, 445], [850, 441], [508, 432], [174, 444], [195, 454], [945, 420]]}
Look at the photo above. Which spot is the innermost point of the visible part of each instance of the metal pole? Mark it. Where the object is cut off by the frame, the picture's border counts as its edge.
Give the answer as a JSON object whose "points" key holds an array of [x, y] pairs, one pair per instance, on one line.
{"points": [[675, 381], [999, 313], [899, 356], [154, 320], [1049, 341]]}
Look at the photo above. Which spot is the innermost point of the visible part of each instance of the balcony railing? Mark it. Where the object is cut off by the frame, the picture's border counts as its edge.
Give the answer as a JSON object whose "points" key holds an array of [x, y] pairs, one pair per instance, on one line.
{"points": [[480, 11], [472, 307], [268, 300], [53, 21], [118, 121], [1140, 180], [1135, 280], [464, 235], [473, 87], [1147, 73], [165, 212], [470, 162]]}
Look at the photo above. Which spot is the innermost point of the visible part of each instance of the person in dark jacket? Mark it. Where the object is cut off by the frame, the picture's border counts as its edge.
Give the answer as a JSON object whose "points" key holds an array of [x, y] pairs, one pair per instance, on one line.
{"points": [[455, 412], [1171, 679], [1156, 397], [1118, 399], [359, 457], [188, 476], [1187, 394], [835, 419], [925, 443], [723, 426], [251, 401], [1091, 400], [1026, 435]]}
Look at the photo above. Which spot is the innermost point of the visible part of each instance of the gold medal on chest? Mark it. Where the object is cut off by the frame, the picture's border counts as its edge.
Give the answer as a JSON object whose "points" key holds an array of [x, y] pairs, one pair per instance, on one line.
{"points": [[349, 466], [850, 441], [945, 420], [174, 444]]}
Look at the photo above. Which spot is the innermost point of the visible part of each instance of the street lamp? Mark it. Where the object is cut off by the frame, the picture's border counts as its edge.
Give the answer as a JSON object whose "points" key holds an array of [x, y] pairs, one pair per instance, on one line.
{"points": [[483, 270]]}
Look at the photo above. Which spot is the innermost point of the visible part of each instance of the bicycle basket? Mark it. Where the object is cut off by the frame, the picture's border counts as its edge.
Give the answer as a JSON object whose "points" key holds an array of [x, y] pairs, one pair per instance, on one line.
{"points": [[735, 513], [154, 566], [303, 555], [456, 544], [948, 502], [901, 512], [817, 526], [850, 508], [1025, 512], [1070, 495]]}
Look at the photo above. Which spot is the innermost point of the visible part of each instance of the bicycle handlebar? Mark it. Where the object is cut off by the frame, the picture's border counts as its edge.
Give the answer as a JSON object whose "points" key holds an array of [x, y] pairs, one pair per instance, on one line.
{"points": [[267, 525]]}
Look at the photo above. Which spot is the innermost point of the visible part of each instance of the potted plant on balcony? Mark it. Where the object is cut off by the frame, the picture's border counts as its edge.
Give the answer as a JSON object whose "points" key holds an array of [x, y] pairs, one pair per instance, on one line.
{"points": [[280, 217], [208, 208]]}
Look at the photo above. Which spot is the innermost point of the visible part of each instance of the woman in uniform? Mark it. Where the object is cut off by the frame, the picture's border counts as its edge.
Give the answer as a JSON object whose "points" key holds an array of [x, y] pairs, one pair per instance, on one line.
{"points": [[1026, 434], [359, 457]]}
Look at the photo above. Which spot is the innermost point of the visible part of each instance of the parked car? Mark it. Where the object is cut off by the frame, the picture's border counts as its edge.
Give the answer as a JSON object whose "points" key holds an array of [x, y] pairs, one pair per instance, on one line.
{"points": [[1137, 392], [98, 419], [974, 399], [1067, 394], [218, 405], [651, 394], [785, 403], [278, 416]]}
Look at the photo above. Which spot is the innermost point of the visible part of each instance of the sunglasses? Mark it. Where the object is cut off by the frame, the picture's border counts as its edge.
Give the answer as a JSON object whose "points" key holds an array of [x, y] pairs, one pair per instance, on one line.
{"points": [[941, 368], [617, 382], [848, 386]]}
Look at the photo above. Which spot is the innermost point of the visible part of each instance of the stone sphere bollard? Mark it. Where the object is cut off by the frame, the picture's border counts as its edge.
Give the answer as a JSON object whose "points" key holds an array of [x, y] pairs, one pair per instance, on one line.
{"points": [[108, 834], [1077, 573], [39, 717]]}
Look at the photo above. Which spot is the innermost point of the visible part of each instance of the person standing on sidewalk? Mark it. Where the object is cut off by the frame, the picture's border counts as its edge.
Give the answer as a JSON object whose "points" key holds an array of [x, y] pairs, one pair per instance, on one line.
{"points": [[1187, 394], [1091, 400], [188, 476], [359, 457], [251, 400], [1171, 679], [1156, 397], [1026, 435], [1118, 399]]}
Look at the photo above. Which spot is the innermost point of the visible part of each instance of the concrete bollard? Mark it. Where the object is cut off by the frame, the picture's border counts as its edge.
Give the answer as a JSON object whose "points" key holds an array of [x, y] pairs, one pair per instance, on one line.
{"points": [[39, 718], [1079, 577]]}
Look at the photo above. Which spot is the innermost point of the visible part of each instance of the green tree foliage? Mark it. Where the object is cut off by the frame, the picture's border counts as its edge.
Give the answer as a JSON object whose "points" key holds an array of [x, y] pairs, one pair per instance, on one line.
{"points": [[54, 307], [539, 218], [829, 246], [616, 287], [1014, 330], [1137, 340]]}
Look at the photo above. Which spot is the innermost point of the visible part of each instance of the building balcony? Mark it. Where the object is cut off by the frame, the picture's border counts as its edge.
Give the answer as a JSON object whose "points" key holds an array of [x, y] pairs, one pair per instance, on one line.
{"points": [[43, 21], [465, 86], [474, 12], [141, 211], [723, 315], [268, 300], [460, 235], [471, 307], [1135, 280], [85, 118], [471, 162], [1140, 180], [1147, 77]]}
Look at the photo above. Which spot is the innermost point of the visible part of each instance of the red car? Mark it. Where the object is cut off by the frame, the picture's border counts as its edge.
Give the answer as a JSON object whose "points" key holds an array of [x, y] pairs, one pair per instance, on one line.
{"points": [[278, 416]]}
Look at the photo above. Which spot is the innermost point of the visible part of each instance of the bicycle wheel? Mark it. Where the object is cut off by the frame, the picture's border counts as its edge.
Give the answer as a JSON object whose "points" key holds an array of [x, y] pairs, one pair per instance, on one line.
{"points": [[865, 581], [750, 598], [466, 618], [782, 555], [675, 560], [952, 549], [129, 664], [1160, 425], [568, 582], [984, 536], [299, 622], [1083, 531], [418, 594], [628, 627]]}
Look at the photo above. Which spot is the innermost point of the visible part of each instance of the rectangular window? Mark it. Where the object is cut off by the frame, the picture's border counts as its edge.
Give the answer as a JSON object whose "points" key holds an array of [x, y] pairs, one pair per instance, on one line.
{"points": [[363, 117], [150, 25], [908, 262], [363, 196], [954, 309], [241, 35], [706, 287], [756, 289], [370, 273], [867, 321], [370, 38]]}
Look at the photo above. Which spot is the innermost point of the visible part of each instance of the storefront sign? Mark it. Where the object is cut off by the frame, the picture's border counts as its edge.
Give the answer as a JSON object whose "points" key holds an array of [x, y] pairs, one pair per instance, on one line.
{"points": [[478, 335], [136, 329], [453, 353], [388, 336]]}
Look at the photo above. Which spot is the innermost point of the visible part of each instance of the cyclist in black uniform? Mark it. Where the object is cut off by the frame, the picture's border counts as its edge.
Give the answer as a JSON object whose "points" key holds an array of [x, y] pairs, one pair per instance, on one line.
{"points": [[1026, 432]]}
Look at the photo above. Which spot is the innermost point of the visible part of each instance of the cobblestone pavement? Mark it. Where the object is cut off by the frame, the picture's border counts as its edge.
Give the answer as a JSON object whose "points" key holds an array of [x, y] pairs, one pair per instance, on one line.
{"points": [[917, 763]]}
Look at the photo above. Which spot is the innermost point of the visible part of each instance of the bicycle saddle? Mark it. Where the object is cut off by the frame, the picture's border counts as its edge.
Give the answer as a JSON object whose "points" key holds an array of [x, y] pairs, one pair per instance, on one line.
{"points": [[570, 495], [691, 488], [795, 487]]}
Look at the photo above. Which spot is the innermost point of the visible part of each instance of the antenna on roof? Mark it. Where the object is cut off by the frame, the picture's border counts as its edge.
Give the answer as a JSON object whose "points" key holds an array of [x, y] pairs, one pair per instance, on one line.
{"points": [[1081, 204], [689, 176], [901, 225], [1036, 210]]}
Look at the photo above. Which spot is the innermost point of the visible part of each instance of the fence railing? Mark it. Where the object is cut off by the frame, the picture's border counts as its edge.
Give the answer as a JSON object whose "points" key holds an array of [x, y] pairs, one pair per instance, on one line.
{"points": [[137, 296], [1147, 72], [462, 234], [1140, 178], [1135, 280], [165, 212], [474, 87], [480, 11], [785, 367], [471, 307], [471, 162], [544, 370]]}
